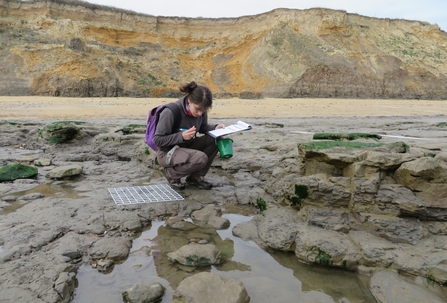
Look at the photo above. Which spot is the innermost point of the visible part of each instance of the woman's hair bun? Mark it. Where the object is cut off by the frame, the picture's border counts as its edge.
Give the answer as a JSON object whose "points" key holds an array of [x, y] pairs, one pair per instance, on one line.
{"points": [[188, 87]]}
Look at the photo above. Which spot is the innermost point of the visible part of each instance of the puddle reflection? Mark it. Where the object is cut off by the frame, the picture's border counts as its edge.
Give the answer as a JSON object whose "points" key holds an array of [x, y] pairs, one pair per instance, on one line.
{"points": [[49, 190], [268, 276]]}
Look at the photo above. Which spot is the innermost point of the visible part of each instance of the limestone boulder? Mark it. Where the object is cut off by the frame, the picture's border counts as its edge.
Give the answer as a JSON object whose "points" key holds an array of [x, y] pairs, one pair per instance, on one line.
{"points": [[388, 286], [61, 131], [196, 255], [210, 287], [278, 228], [64, 171], [341, 154], [326, 247], [205, 213], [415, 174], [386, 161], [374, 251], [116, 249], [15, 171], [144, 293]]}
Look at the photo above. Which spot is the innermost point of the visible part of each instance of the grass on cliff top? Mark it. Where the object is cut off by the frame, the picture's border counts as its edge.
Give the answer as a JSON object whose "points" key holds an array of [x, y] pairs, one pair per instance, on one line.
{"points": [[82, 4]]}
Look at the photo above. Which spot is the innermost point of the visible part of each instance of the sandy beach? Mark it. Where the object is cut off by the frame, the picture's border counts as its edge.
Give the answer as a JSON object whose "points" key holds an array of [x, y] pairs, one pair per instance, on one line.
{"points": [[32, 107]]}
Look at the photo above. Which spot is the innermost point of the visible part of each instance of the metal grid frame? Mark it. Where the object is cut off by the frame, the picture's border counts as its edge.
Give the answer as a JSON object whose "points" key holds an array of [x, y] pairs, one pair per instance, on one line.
{"points": [[144, 194]]}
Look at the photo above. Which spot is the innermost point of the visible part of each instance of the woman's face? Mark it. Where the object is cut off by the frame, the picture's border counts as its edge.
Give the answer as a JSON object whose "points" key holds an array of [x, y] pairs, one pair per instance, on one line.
{"points": [[196, 110]]}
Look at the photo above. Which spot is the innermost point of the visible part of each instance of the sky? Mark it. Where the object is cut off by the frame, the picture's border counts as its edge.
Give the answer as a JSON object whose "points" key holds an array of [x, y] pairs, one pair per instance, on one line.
{"points": [[432, 11]]}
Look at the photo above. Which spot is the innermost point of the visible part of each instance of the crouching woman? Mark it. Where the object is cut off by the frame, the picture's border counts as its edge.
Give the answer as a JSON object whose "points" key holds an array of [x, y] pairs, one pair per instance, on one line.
{"points": [[187, 151]]}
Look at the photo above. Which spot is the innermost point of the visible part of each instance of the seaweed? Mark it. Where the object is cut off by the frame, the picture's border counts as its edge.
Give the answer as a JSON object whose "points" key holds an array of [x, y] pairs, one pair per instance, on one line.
{"points": [[261, 204], [301, 192], [193, 260], [322, 257], [341, 136]]}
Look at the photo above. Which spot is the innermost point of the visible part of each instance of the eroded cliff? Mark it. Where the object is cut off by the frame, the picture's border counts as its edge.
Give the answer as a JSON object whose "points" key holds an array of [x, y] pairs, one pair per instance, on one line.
{"points": [[83, 50]]}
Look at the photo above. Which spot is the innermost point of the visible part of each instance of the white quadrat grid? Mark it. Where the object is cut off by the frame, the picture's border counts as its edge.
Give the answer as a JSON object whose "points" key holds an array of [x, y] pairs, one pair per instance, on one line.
{"points": [[144, 194]]}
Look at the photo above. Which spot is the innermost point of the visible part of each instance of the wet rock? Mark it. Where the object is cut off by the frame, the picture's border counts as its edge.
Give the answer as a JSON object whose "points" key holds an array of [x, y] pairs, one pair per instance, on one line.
{"points": [[211, 215], [15, 171], [278, 228], [82, 157], [218, 222], [326, 247], [416, 173], [427, 205], [60, 132], [116, 249], [9, 198], [104, 265], [376, 251], [172, 220], [249, 194], [65, 285], [3, 204], [73, 255], [388, 286], [396, 230], [42, 162], [26, 159], [144, 293], [183, 225], [196, 255], [328, 218], [12, 294], [64, 171], [132, 225], [207, 212], [439, 273], [210, 287], [248, 231], [32, 196]]}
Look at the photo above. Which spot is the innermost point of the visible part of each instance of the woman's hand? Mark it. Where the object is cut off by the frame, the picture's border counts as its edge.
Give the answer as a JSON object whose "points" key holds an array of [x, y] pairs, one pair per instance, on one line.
{"points": [[189, 133], [219, 126]]}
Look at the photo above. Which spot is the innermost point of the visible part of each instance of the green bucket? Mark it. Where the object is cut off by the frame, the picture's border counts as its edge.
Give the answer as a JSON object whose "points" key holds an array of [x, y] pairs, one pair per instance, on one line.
{"points": [[225, 147]]}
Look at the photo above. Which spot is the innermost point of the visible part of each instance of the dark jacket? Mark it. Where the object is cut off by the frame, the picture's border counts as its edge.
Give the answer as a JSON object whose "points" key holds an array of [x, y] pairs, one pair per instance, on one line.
{"points": [[165, 138]]}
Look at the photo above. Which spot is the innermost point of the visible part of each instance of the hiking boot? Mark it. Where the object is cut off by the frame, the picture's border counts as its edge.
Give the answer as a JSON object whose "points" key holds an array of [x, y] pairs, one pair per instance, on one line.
{"points": [[174, 183], [199, 182]]}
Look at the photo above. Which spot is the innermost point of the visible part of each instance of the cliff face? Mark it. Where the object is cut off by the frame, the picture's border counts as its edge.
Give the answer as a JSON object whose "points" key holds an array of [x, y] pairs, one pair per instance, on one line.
{"points": [[73, 49]]}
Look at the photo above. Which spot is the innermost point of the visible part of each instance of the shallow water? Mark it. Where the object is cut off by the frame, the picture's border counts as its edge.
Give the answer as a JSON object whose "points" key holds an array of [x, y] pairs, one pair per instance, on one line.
{"points": [[49, 190], [271, 276]]}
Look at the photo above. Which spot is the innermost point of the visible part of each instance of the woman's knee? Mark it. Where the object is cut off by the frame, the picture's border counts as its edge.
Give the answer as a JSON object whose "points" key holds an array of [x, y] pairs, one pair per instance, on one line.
{"points": [[202, 160]]}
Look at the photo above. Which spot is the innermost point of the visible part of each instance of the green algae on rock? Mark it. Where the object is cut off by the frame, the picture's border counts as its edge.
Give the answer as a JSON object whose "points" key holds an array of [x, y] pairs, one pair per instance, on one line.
{"points": [[60, 132], [15, 171], [341, 136]]}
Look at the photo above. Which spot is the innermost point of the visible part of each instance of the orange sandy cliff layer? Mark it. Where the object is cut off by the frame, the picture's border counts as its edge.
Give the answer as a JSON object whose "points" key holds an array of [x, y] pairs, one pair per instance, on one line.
{"points": [[79, 49]]}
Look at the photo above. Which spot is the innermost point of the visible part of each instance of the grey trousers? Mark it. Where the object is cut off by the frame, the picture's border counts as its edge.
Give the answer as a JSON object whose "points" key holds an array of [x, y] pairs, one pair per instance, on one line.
{"points": [[195, 160]]}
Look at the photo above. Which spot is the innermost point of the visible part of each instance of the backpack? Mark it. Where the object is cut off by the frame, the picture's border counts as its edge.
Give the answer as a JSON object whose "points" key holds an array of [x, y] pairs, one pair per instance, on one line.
{"points": [[152, 121]]}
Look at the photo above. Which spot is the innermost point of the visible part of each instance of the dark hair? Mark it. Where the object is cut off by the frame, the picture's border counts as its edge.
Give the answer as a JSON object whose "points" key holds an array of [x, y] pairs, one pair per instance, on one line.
{"points": [[198, 94]]}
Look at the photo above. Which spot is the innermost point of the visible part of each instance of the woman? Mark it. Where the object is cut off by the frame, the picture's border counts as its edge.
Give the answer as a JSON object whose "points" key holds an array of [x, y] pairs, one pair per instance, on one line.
{"points": [[181, 152]]}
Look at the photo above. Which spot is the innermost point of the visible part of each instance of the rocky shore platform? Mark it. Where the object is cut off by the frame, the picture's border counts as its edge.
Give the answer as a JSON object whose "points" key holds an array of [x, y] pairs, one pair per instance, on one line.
{"points": [[366, 193]]}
